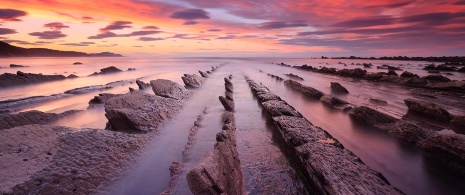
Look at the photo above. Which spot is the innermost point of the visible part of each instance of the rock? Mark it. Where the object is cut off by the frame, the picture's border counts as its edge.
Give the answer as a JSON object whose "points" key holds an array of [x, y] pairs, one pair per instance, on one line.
{"points": [[327, 70], [415, 81], [410, 132], [139, 111], [332, 101], [356, 73], [448, 149], [101, 98], [229, 96], [370, 116], [192, 80], [8, 121], [374, 76], [131, 89], [294, 76], [439, 78], [458, 122], [72, 76], [17, 66], [461, 69], [280, 108], [203, 74], [427, 109], [433, 71], [306, 90], [107, 70], [142, 85], [77, 63], [378, 101], [227, 104], [131, 69], [338, 88], [168, 89], [392, 72], [21, 78], [227, 81], [407, 74]]}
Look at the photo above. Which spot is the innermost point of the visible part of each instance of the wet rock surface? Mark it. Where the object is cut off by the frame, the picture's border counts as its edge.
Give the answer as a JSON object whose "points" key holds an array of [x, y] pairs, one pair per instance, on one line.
{"points": [[306, 90], [8, 121], [326, 165], [168, 89], [192, 80], [428, 109], [294, 76], [448, 149], [21, 78]]}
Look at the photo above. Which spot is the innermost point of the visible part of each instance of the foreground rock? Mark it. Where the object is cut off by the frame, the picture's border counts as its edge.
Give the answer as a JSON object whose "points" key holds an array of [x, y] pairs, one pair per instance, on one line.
{"points": [[8, 121], [107, 70], [21, 78], [428, 109], [323, 161], [449, 149], [168, 89], [192, 80], [43, 159], [139, 111]]}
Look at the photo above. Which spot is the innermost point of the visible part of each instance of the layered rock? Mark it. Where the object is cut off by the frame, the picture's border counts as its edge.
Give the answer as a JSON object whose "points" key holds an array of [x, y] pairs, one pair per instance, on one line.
{"points": [[325, 164], [21, 78], [294, 76], [427, 109], [142, 85], [449, 149], [203, 74], [8, 121], [338, 88], [192, 80], [168, 89], [306, 90], [107, 70]]}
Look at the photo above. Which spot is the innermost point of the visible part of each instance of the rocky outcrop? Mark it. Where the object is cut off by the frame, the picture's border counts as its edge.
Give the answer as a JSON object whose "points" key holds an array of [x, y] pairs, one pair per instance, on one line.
{"points": [[21, 78], [101, 98], [370, 116], [306, 90], [192, 80], [17, 66], [107, 70], [203, 74], [427, 109], [378, 101], [139, 111], [448, 149], [338, 88], [220, 172], [168, 89], [324, 163], [332, 101], [438, 78], [72, 76], [8, 121], [294, 76], [142, 85]]}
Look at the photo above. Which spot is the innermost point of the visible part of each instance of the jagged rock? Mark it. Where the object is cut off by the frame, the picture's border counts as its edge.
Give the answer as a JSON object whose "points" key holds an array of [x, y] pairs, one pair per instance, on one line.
{"points": [[436, 78], [280, 108], [415, 81], [229, 88], [192, 80], [407, 74], [306, 90], [17, 66], [77, 63], [374, 76], [428, 109], [370, 116], [72, 76], [142, 85], [107, 70], [227, 81], [332, 101], [327, 70], [21, 78], [8, 121], [203, 74], [227, 104], [131, 89], [338, 88], [410, 132], [449, 149], [458, 122], [294, 76], [168, 89], [392, 72], [139, 111]]}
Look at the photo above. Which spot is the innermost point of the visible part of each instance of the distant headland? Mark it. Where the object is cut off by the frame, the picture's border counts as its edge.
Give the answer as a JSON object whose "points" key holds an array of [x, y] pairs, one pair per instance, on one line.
{"points": [[7, 50], [451, 60]]}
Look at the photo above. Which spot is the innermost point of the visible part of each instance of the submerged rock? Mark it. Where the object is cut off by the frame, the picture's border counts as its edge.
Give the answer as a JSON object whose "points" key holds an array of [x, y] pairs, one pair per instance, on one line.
{"points": [[370, 116], [392, 72], [438, 78], [17, 66], [407, 74], [448, 149], [107, 70], [168, 89], [338, 88], [427, 109]]}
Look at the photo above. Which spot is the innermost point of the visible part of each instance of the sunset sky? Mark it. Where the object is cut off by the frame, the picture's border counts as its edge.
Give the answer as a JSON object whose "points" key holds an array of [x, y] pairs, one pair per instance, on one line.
{"points": [[294, 28]]}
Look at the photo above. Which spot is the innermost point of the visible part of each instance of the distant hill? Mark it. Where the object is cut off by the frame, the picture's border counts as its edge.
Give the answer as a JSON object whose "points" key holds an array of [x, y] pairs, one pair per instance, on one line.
{"points": [[7, 50]]}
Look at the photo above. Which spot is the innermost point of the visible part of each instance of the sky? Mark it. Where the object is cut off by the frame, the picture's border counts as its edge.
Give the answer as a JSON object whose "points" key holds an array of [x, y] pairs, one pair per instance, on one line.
{"points": [[235, 28]]}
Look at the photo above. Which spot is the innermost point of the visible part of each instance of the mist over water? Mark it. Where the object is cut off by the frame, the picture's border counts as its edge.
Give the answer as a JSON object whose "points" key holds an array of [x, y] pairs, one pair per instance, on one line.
{"points": [[404, 165]]}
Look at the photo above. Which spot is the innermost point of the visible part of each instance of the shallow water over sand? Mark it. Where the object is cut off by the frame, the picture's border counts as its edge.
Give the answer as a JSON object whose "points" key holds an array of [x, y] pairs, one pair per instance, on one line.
{"points": [[402, 164]]}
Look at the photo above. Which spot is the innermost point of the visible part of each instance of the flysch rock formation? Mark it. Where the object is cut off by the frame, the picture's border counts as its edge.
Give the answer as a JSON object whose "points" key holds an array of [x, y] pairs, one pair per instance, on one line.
{"points": [[21, 78], [220, 171], [8, 121], [142, 85], [107, 70], [168, 89], [448, 149], [338, 88], [326, 166], [192, 80], [43, 159]]}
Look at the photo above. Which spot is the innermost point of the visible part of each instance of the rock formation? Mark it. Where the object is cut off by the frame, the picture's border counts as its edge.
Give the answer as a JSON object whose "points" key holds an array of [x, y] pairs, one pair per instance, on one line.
{"points": [[142, 85], [338, 88], [8, 121], [107, 70], [21, 78], [168, 89], [192, 80]]}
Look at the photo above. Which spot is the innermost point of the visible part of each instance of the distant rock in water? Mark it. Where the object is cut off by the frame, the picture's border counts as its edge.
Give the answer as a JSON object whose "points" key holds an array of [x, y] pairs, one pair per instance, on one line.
{"points": [[107, 70], [338, 88], [7, 50], [17, 66], [131, 69], [192, 80], [77, 63], [21, 78], [72, 76]]}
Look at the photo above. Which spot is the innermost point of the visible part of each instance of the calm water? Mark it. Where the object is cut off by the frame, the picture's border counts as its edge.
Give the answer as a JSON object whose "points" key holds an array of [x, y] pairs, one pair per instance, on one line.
{"points": [[402, 164]]}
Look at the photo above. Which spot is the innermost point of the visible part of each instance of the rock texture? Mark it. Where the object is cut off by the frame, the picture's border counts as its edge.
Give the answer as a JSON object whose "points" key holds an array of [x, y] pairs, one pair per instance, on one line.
{"points": [[142, 85], [168, 89], [323, 161], [449, 149], [8, 121], [192, 80], [294, 76], [21, 78], [306, 90], [107, 70], [428, 109], [338, 88], [139, 111]]}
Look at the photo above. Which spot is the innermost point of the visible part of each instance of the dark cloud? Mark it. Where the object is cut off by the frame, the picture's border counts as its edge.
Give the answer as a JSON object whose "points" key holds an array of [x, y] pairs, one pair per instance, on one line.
{"points": [[214, 30], [111, 45], [11, 14], [462, 2], [5, 31], [87, 18], [392, 5], [434, 18], [135, 33], [227, 37], [281, 24], [366, 22], [150, 28], [26, 42], [81, 44], [190, 14], [117, 25], [149, 39], [190, 22], [55, 25], [48, 34]]}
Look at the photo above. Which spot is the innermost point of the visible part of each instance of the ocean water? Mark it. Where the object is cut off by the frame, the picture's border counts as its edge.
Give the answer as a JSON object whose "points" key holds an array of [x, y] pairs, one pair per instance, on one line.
{"points": [[404, 165]]}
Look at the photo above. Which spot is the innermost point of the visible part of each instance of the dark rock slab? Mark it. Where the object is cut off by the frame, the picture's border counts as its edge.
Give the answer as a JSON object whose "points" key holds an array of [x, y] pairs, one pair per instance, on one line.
{"points": [[17, 66], [101, 98], [280, 108], [142, 85], [370, 116], [21, 78], [427, 109], [338, 88], [72, 76], [294, 76], [448, 149], [437, 78], [306, 90], [332, 101], [107, 70], [227, 104], [203, 74], [410, 132]]}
